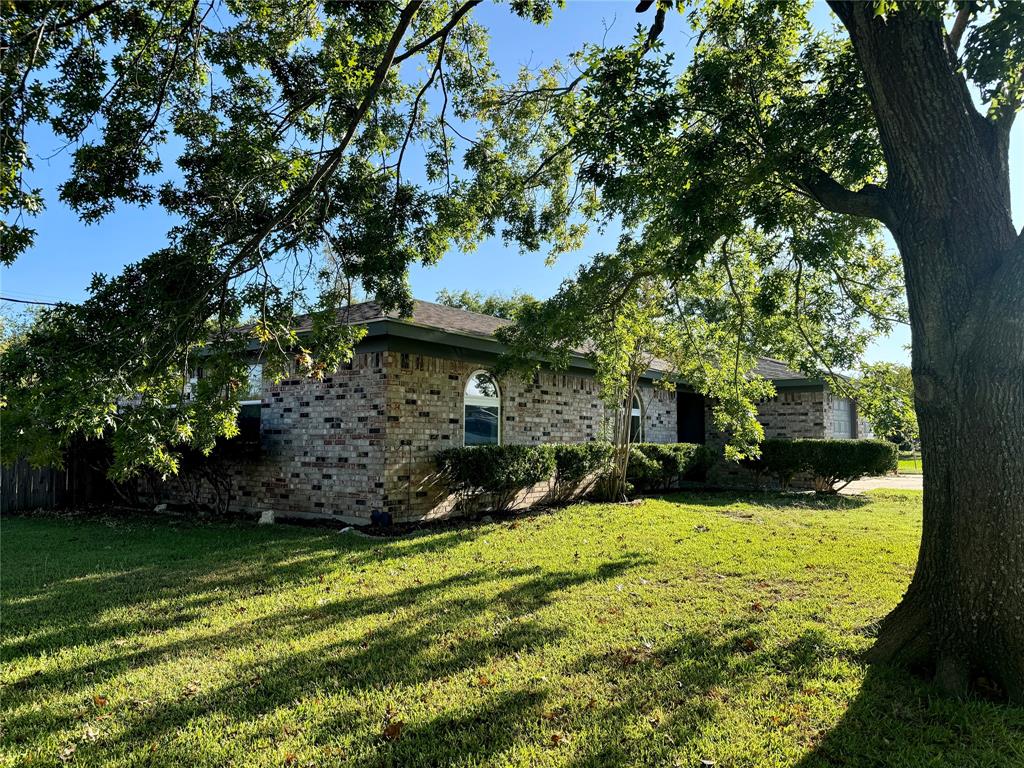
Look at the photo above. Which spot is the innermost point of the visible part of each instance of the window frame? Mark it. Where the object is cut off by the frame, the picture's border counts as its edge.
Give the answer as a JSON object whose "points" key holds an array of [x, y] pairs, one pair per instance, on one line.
{"points": [[637, 412], [250, 401], [841, 405], [485, 402]]}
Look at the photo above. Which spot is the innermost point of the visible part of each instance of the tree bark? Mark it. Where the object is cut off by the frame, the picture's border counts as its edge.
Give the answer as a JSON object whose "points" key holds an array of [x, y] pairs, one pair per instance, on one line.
{"points": [[948, 199]]}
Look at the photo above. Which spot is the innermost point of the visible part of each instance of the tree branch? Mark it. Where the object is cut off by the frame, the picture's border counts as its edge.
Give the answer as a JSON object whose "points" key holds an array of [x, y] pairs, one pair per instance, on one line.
{"points": [[442, 32], [963, 17], [334, 157], [868, 202]]}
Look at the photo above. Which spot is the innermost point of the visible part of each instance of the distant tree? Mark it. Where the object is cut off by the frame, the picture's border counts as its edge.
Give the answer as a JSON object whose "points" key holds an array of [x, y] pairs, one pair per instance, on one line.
{"points": [[623, 321], [494, 304], [885, 395]]}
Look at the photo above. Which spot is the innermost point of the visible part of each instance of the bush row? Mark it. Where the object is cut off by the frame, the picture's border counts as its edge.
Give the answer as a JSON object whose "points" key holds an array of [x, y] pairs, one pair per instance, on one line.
{"points": [[502, 471], [830, 462], [659, 466]]}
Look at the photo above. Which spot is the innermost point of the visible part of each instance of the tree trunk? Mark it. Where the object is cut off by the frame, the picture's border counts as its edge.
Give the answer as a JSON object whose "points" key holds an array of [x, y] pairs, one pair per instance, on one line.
{"points": [[948, 201]]}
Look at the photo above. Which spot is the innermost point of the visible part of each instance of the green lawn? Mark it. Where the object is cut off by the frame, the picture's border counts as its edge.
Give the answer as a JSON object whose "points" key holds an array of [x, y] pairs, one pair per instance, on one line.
{"points": [[910, 466], [704, 627]]}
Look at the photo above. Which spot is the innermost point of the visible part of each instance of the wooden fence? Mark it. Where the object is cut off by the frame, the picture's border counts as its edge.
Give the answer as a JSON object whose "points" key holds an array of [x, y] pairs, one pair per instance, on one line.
{"points": [[24, 487]]}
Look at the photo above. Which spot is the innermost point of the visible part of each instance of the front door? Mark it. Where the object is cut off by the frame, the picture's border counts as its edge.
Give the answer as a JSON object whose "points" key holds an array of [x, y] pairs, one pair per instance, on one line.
{"points": [[690, 417]]}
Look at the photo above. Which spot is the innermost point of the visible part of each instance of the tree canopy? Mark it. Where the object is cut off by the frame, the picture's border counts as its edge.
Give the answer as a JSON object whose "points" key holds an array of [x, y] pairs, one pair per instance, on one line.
{"points": [[885, 395], [751, 182], [493, 304], [292, 126]]}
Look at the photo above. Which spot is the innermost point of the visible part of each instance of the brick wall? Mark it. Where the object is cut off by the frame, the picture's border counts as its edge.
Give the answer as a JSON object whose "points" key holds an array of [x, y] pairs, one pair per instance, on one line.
{"points": [[364, 439], [322, 448], [425, 412], [792, 413]]}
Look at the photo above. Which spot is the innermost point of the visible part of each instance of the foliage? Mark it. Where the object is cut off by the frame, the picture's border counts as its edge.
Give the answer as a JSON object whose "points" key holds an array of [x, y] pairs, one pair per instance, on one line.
{"points": [[622, 323], [484, 642], [828, 461], [493, 304], [710, 172], [662, 465], [842, 461], [500, 471], [574, 462], [885, 395], [271, 131]]}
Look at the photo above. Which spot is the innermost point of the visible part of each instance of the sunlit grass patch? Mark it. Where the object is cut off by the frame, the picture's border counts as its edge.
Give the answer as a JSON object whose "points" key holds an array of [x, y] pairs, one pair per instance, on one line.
{"points": [[712, 626]]}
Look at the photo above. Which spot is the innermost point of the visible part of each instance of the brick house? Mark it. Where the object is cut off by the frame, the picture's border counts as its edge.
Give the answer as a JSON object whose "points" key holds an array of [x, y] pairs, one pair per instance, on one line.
{"points": [[360, 445]]}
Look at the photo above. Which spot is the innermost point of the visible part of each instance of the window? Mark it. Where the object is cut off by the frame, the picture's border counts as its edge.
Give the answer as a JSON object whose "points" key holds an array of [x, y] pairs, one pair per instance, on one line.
{"points": [[482, 410], [254, 386], [842, 418], [636, 421]]}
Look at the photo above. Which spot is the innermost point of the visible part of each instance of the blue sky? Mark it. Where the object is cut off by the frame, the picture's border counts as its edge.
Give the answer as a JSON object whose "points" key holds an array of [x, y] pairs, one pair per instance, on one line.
{"points": [[67, 252]]}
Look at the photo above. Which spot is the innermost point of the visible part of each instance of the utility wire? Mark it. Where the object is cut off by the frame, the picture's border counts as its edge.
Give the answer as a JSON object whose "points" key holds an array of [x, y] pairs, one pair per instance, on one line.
{"points": [[26, 301]]}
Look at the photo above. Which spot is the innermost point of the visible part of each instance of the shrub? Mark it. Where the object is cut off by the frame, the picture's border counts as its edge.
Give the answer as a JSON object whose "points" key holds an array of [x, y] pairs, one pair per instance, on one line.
{"points": [[663, 465], [702, 460], [829, 461], [644, 471], [500, 470], [576, 461], [842, 461], [784, 459]]}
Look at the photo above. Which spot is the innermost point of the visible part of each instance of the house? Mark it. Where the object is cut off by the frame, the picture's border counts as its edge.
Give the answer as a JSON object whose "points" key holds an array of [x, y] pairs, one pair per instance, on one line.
{"points": [[360, 444]]}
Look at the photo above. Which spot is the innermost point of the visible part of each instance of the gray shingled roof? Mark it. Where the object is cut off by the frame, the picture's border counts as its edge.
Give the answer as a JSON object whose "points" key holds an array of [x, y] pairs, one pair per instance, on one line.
{"points": [[438, 316]]}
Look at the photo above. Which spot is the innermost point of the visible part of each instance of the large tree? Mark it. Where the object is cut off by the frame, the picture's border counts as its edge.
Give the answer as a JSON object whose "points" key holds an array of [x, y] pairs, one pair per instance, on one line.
{"points": [[816, 139], [294, 122]]}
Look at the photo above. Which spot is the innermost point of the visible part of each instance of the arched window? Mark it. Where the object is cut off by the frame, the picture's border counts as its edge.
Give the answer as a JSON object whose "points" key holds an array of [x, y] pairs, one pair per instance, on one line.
{"points": [[482, 410], [636, 421]]}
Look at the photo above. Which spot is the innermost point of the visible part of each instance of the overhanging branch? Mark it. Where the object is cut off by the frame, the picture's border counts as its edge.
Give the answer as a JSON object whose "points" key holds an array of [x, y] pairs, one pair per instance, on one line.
{"points": [[867, 202], [444, 31]]}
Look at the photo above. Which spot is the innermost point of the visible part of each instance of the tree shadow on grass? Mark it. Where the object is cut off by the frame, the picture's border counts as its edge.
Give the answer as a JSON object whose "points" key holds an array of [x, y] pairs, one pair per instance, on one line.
{"points": [[401, 648], [207, 573], [808, 501], [898, 720]]}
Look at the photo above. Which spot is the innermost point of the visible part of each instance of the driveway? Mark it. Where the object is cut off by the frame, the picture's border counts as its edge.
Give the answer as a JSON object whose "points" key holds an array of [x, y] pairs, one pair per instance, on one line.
{"points": [[902, 482]]}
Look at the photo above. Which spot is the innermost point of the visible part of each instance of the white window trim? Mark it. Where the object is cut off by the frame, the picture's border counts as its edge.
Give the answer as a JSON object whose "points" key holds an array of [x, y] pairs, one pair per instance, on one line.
{"points": [[488, 402], [249, 383], [638, 411], [843, 408]]}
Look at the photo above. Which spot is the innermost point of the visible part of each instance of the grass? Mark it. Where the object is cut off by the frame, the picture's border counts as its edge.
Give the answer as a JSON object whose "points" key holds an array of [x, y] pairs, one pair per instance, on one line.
{"points": [[910, 466], [699, 627]]}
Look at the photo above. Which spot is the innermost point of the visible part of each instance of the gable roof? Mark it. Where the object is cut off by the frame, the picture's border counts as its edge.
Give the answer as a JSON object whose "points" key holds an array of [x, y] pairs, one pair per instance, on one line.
{"points": [[462, 322]]}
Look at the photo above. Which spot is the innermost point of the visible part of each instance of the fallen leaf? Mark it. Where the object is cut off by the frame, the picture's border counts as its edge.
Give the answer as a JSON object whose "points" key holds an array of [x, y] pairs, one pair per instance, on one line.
{"points": [[291, 758], [757, 607], [556, 739], [483, 681], [393, 730], [100, 701]]}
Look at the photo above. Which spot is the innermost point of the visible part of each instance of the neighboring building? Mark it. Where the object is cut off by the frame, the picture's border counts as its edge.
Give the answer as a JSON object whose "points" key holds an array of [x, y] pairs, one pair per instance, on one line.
{"points": [[360, 444]]}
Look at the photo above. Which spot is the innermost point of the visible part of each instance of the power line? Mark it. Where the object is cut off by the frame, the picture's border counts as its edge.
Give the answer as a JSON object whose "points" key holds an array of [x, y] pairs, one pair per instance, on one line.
{"points": [[26, 301]]}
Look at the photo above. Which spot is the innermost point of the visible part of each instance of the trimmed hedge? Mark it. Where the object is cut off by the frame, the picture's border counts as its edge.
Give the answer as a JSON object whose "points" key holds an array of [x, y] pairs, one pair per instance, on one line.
{"points": [[502, 470], [574, 462], [828, 461], [663, 465]]}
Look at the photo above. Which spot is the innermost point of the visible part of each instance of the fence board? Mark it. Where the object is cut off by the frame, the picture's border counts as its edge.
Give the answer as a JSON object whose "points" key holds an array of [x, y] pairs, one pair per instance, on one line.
{"points": [[24, 487]]}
